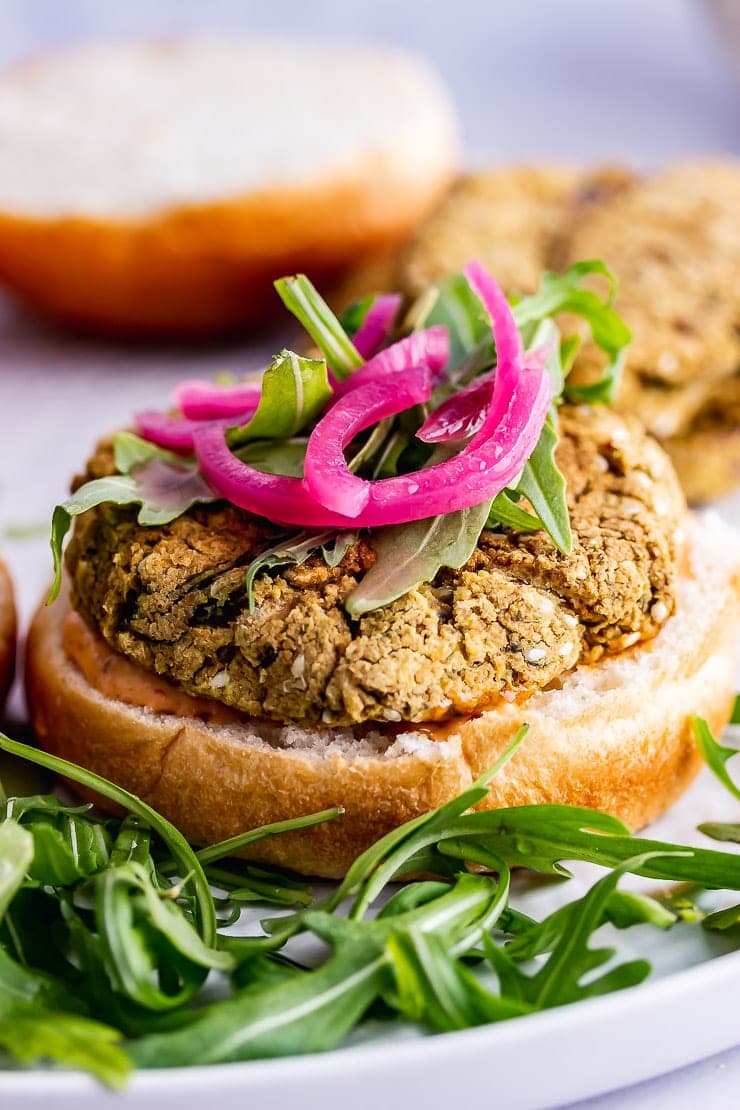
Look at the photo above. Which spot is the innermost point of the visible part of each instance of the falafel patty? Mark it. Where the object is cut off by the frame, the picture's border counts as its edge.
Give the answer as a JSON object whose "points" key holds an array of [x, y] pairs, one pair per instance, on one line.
{"points": [[512, 620], [673, 242], [504, 218]]}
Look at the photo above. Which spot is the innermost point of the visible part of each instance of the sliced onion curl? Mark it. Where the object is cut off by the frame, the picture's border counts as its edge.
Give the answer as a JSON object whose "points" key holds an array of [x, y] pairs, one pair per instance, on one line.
{"points": [[462, 415], [377, 324], [177, 433], [288, 500], [325, 469], [430, 348], [518, 401], [198, 399]]}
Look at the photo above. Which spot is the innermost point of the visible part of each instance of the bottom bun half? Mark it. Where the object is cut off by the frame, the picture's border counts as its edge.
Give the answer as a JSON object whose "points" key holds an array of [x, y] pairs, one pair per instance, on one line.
{"points": [[615, 736]]}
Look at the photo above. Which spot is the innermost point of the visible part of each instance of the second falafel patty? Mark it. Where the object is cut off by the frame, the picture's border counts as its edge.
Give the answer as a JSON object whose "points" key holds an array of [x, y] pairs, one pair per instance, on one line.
{"points": [[513, 619]]}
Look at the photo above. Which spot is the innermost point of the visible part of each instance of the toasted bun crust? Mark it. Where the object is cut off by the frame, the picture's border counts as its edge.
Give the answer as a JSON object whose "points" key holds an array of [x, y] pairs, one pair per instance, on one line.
{"points": [[616, 737], [320, 155], [8, 629]]}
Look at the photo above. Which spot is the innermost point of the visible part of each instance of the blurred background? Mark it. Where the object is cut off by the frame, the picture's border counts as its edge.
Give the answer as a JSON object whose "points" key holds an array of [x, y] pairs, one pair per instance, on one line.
{"points": [[641, 79]]}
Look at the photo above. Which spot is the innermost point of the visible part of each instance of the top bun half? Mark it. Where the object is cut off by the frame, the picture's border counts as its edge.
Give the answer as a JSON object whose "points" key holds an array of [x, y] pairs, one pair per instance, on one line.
{"points": [[183, 175]]}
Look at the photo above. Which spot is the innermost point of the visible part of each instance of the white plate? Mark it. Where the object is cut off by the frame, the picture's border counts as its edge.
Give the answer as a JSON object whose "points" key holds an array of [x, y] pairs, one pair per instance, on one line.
{"points": [[56, 397]]}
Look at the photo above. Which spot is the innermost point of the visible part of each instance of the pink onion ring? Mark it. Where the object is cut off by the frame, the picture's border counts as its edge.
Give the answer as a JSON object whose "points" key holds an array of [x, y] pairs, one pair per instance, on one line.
{"points": [[176, 433], [377, 324], [325, 470], [430, 348], [203, 400]]}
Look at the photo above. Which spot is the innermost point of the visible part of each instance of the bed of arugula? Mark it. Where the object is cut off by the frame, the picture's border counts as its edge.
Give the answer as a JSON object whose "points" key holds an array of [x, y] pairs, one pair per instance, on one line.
{"points": [[109, 927]]}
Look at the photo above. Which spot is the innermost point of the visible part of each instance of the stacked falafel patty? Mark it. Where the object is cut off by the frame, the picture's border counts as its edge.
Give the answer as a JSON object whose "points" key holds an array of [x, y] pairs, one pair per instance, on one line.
{"points": [[673, 240]]}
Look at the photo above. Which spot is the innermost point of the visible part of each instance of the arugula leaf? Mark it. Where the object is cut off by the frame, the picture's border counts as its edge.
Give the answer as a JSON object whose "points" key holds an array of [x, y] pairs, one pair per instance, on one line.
{"points": [[237, 843], [373, 447], [430, 982], [540, 837], [294, 391], [131, 451], [562, 293], [163, 490], [387, 462], [68, 1039], [715, 755], [187, 862], [718, 830], [546, 335], [335, 550], [543, 484], [67, 848], [407, 554], [396, 853], [22, 988], [285, 457], [433, 987], [310, 1013], [504, 510], [354, 314], [559, 979], [460, 310], [293, 550], [725, 921], [130, 911], [623, 909], [16, 853], [735, 718], [310, 309]]}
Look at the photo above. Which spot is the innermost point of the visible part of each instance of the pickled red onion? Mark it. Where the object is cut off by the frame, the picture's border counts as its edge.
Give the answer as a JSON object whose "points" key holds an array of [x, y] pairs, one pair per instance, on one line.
{"points": [[503, 412], [430, 348], [203, 400], [175, 432], [467, 479], [377, 324], [518, 401], [281, 499], [461, 415], [325, 470]]}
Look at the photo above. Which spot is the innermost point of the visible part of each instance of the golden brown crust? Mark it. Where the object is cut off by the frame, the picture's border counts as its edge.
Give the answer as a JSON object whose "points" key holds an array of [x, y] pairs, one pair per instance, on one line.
{"points": [[8, 629], [615, 736], [207, 268]]}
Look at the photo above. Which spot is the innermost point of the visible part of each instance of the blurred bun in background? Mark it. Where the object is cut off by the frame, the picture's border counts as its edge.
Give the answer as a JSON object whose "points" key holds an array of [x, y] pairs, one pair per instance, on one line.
{"points": [[158, 187]]}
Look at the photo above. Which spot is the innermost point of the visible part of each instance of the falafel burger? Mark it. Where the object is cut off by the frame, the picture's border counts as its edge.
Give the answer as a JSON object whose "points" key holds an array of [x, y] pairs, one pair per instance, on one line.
{"points": [[8, 629], [352, 584]]}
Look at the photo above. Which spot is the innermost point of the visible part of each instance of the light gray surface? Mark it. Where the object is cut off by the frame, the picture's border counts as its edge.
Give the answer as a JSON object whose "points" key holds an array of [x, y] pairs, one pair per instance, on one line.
{"points": [[638, 79], [645, 79]]}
